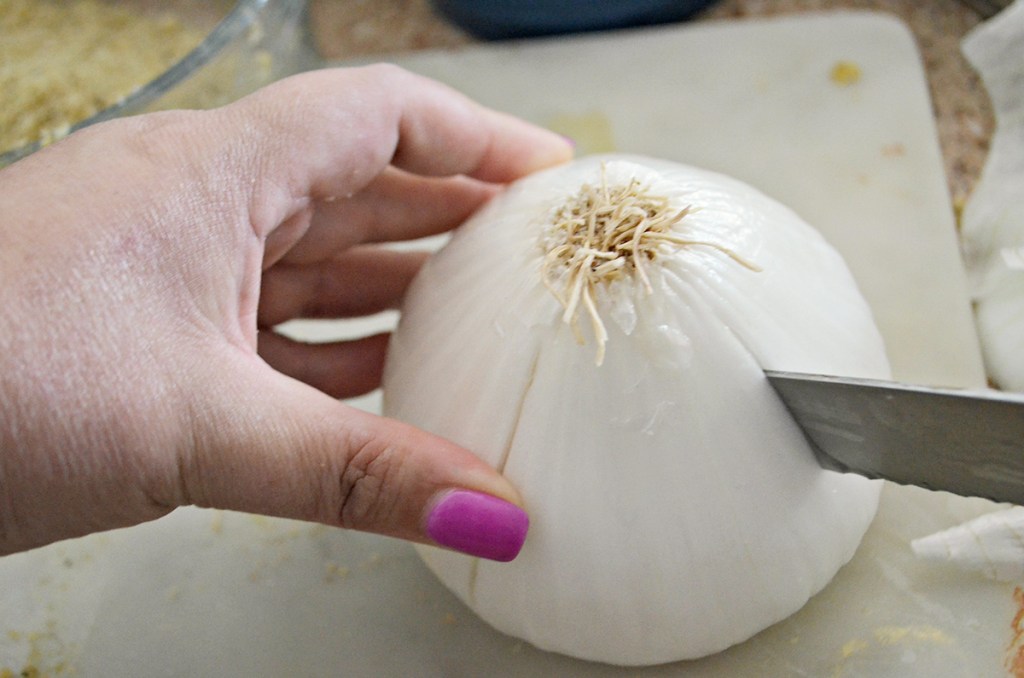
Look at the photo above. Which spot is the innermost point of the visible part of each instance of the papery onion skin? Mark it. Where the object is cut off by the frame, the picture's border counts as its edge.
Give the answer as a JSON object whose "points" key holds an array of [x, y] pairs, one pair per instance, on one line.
{"points": [[991, 544], [992, 224], [676, 509]]}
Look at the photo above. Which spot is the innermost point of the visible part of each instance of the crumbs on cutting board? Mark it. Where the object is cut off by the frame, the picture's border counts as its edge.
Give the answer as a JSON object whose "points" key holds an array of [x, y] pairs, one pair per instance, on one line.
{"points": [[891, 635], [45, 654], [217, 522], [894, 150], [845, 73], [852, 647], [335, 572], [372, 561], [908, 640]]}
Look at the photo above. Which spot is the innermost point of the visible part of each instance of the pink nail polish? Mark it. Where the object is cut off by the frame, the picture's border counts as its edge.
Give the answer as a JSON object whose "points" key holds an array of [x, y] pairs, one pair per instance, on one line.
{"points": [[478, 524]]}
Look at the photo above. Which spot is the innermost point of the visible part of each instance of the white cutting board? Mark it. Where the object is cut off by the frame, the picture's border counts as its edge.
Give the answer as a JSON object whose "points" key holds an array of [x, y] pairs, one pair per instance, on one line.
{"points": [[209, 593]]}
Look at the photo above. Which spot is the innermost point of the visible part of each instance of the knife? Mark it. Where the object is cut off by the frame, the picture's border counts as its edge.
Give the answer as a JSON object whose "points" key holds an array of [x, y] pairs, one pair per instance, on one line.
{"points": [[966, 441]]}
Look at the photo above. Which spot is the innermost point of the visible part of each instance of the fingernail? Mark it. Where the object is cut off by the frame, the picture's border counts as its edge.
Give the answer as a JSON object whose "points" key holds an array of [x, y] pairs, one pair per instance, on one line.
{"points": [[569, 140], [478, 524]]}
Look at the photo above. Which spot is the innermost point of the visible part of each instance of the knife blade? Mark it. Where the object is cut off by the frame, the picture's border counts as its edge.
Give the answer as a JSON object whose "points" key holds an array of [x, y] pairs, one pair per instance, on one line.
{"points": [[966, 441]]}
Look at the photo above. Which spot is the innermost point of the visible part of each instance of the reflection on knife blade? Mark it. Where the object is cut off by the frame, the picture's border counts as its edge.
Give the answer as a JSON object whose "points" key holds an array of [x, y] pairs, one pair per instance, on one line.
{"points": [[966, 441]]}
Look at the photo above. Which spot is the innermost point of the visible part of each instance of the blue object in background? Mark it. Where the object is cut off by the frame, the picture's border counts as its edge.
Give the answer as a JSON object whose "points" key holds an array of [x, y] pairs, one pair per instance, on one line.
{"points": [[504, 19]]}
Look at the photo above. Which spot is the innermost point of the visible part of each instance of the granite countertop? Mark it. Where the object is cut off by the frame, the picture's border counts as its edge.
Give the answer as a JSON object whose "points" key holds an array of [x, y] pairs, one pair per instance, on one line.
{"points": [[363, 28]]}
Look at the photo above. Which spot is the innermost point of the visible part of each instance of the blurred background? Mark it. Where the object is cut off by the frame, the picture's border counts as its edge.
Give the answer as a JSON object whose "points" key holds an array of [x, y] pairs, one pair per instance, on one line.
{"points": [[64, 64]]}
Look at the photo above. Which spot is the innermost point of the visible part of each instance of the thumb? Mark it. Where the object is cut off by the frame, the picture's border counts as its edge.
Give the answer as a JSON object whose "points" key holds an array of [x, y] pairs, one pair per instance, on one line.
{"points": [[275, 446]]}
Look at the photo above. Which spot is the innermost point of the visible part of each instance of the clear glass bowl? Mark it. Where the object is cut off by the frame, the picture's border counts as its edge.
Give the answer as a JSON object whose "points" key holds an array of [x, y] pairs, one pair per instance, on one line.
{"points": [[256, 42]]}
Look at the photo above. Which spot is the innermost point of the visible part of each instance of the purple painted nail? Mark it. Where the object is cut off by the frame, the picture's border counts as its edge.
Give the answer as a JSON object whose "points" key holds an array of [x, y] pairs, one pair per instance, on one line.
{"points": [[478, 524]]}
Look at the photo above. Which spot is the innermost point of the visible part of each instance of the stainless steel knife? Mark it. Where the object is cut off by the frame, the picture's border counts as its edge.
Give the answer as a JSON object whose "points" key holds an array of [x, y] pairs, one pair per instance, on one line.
{"points": [[966, 441]]}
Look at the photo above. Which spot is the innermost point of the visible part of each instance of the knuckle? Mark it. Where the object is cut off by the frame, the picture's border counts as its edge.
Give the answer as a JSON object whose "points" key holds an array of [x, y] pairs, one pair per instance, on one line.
{"points": [[386, 74], [363, 489]]}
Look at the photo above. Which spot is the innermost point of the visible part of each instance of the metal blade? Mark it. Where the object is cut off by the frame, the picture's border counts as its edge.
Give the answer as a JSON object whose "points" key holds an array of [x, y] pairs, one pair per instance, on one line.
{"points": [[970, 442]]}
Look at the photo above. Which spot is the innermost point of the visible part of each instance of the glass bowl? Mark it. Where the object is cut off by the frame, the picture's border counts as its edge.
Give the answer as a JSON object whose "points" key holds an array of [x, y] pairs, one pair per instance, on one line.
{"points": [[251, 43]]}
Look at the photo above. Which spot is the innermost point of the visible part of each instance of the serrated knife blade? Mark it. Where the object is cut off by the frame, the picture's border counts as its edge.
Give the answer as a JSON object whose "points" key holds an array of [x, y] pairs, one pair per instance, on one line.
{"points": [[966, 441]]}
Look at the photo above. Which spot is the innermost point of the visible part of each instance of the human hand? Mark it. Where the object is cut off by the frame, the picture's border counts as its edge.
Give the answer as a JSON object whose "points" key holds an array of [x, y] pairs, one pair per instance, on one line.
{"points": [[142, 261]]}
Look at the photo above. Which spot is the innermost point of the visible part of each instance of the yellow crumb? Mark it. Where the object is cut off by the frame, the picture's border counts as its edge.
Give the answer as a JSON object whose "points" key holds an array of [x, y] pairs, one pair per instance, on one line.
{"points": [[845, 73], [959, 204], [894, 150], [891, 635], [333, 571], [852, 647]]}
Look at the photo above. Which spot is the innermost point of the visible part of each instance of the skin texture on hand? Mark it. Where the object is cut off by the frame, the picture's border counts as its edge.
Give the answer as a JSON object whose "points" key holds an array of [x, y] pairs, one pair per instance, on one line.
{"points": [[145, 261]]}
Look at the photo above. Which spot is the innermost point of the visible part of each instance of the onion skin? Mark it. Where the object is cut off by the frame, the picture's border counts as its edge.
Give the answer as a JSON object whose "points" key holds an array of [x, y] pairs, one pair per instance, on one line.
{"points": [[676, 509], [991, 544]]}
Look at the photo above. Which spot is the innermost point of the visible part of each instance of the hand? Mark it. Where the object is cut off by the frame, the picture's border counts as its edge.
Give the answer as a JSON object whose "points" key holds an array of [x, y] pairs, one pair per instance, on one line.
{"points": [[142, 261]]}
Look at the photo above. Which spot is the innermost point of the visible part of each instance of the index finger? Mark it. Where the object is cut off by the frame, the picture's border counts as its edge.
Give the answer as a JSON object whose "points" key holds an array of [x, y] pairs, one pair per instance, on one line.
{"points": [[328, 133]]}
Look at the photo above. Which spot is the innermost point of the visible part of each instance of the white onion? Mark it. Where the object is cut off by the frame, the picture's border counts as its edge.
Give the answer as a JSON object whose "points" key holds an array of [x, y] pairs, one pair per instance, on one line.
{"points": [[676, 508]]}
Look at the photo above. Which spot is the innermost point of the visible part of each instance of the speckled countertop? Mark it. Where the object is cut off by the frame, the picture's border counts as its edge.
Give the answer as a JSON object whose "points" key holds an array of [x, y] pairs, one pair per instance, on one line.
{"points": [[361, 28]]}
